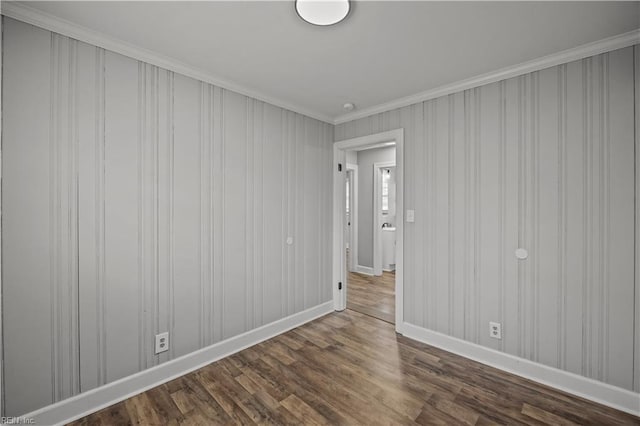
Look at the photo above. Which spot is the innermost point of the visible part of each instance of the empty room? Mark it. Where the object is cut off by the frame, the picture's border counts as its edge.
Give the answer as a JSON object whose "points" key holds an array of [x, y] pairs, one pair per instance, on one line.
{"points": [[329, 212]]}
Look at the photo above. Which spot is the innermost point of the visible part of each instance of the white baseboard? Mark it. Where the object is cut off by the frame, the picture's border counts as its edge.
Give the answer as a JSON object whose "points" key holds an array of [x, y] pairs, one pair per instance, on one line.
{"points": [[593, 390], [364, 270], [96, 399]]}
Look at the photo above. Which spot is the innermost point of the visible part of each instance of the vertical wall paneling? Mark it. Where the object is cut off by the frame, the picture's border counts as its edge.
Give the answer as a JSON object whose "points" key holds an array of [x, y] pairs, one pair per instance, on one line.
{"points": [[234, 231], [592, 211], [285, 210], [477, 231], [165, 212], [548, 206], [441, 137], [423, 126], [149, 96], [122, 204], [488, 258], [543, 161], [272, 205], [187, 210], [217, 185], [63, 216], [457, 216], [139, 201], [291, 203], [249, 242], [511, 207], [575, 237], [203, 213], [300, 218], [619, 188], [534, 210], [469, 216], [90, 95], [2, 393], [636, 328], [450, 203], [563, 196], [310, 215], [28, 376], [259, 212], [320, 196], [523, 213]]}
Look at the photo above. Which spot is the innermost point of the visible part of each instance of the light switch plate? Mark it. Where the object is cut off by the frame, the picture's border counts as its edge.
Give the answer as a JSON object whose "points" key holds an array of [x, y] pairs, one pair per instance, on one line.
{"points": [[411, 215]]}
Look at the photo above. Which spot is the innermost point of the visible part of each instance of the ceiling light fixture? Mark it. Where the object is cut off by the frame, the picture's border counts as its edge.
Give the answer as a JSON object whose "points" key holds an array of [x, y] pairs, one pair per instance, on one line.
{"points": [[323, 12], [349, 106]]}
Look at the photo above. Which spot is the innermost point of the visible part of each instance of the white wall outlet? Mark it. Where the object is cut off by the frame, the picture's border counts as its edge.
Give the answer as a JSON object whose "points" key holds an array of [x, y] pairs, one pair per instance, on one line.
{"points": [[162, 342], [495, 330]]}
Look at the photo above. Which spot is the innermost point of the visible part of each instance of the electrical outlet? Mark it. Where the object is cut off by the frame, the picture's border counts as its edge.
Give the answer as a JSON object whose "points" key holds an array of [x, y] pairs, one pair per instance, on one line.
{"points": [[162, 342], [495, 330]]}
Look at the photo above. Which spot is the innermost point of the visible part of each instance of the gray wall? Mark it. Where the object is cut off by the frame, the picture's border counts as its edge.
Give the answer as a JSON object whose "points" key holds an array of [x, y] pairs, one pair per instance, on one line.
{"points": [[366, 160], [544, 161], [137, 201]]}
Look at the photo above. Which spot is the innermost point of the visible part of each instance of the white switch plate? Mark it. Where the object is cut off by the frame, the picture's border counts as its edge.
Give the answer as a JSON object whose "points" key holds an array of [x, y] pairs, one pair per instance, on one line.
{"points": [[162, 342], [495, 330], [411, 215]]}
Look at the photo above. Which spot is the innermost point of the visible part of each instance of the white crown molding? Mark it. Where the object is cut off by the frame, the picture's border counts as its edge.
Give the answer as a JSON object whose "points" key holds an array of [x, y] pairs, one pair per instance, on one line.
{"points": [[52, 23], [584, 387], [595, 48], [88, 402]]}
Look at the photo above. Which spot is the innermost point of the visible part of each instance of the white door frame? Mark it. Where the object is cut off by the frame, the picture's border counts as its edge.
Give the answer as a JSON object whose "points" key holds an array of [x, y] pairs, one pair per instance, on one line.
{"points": [[353, 216], [377, 212], [339, 175]]}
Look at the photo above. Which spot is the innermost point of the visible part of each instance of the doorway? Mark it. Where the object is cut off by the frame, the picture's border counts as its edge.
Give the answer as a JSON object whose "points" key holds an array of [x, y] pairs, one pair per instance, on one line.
{"points": [[363, 280], [351, 216]]}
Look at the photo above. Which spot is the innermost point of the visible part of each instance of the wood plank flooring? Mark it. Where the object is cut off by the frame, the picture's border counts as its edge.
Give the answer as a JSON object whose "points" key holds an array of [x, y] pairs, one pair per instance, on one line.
{"points": [[351, 369], [373, 296]]}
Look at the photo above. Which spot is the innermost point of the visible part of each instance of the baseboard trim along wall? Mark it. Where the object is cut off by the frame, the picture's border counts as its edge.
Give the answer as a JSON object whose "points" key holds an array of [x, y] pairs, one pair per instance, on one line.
{"points": [[364, 270], [593, 390], [96, 399]]}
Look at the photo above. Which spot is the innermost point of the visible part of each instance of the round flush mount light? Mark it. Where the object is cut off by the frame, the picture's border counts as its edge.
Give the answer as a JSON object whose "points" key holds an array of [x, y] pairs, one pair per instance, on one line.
{"points": [[323, 12]]}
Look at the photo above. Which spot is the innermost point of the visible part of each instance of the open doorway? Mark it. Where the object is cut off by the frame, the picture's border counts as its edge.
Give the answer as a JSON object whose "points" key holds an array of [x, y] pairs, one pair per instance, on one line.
{"points": [[370, 284], [368, 212], [351, 215]]}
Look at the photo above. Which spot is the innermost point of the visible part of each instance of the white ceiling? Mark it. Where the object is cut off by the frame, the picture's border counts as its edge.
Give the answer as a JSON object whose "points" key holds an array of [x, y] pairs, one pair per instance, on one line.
{"points": [[381, 52]]}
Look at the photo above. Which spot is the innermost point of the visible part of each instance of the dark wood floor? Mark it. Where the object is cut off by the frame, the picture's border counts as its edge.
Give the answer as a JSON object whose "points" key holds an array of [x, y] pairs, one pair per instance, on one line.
{"points": [[351, 369], [373, 296]]}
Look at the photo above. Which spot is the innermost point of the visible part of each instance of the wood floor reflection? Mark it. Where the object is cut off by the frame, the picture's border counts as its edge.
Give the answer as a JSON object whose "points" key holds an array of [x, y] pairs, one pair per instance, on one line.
{"points": [[374, 296]]}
